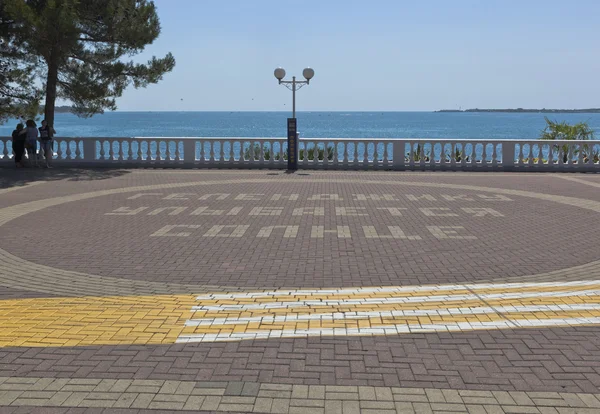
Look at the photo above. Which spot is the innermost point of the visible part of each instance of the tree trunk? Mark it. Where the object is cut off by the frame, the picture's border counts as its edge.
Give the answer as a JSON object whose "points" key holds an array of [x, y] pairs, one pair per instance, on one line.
{"points": [[51, 82]]}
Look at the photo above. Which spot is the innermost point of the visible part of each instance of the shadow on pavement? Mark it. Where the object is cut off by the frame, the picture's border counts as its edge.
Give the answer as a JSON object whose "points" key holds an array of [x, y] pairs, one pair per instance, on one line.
{"points": [[12, 177]]}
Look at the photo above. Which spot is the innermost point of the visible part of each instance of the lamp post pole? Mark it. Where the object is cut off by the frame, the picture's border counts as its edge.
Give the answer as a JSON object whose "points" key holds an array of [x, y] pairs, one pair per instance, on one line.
{"points": [[292, 130], [293, 97]]}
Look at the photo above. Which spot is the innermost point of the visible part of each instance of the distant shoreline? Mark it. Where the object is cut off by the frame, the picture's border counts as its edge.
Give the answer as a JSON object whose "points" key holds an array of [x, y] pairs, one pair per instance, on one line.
{"points": [[528, 111]]}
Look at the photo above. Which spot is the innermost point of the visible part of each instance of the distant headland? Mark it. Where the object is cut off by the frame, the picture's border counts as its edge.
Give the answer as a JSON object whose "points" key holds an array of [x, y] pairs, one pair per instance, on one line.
{"points": [[62, 109], [537, 111]]}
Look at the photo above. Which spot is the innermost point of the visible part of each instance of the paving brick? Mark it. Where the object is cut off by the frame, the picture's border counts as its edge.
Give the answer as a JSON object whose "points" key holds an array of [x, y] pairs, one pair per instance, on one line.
{"points": [[350, 407], [263, 405], [306, 410], [208, 391], [448, 407], [316, 392], [490, 368], [193, 403], [333, 407], [142, 401], [210, 403], [341, 396], [75, 399], [374, 405], [280, 406], [125, 400]]}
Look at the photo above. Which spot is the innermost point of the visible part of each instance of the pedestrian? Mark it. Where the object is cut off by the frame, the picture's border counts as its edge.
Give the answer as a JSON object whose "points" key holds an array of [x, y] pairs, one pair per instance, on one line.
{"points": [[46, 141], [31, 134], [18, 144]]}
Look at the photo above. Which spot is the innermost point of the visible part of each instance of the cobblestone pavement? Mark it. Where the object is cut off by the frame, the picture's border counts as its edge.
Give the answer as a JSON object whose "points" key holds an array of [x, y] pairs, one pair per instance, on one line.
{"points": [[258, 291]]}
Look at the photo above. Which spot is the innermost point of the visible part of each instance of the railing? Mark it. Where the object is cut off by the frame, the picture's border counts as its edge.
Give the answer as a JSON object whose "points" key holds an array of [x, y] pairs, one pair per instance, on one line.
{"points": [[324, 153]]}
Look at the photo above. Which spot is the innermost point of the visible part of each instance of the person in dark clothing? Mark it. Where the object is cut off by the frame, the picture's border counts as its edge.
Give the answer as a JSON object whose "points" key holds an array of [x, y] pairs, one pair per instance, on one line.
{"points": [[31, 134], [46, 135], [18, 144]]}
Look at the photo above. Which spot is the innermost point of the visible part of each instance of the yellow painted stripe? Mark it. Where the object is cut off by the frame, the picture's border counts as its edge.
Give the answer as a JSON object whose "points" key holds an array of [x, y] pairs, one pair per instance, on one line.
{"points": [[155, 320], [378, 322], [93, 320]]}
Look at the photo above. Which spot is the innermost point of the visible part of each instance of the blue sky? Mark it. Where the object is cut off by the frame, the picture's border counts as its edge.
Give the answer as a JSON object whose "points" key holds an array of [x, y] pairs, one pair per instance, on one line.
{"points": [[381, 55]]}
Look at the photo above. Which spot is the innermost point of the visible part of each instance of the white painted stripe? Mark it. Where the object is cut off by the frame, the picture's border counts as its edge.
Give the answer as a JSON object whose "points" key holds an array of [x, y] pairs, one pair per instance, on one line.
{"points": [[388, 329], [389, 300], [394, 289], [337, 316]]}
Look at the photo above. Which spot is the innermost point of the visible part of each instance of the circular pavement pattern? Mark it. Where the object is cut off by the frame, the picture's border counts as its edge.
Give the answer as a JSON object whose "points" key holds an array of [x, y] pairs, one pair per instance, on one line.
{"points": [[308, 233]]}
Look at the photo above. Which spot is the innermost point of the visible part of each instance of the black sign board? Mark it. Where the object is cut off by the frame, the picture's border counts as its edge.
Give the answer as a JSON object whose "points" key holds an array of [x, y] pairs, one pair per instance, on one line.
{"points": [[292, 140]]}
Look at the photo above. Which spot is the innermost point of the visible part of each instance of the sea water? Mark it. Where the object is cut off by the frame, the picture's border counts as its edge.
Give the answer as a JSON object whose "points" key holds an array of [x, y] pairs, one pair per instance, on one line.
{"points": [[311, 125]]}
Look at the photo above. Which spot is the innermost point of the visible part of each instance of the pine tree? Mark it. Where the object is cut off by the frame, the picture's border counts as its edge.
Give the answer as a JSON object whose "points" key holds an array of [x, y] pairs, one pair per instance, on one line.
{"points": [[19, 96], [83, 46]]}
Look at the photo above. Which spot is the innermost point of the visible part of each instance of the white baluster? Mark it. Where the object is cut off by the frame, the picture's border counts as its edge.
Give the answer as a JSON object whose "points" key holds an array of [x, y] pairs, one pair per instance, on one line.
{"points": [[345, 143], [119, 154], [111, 150], [167, 150], [177, 152], [385, 154], [159, 156], [130, 149], [375, 155], [149, 151], [571, 154], [201, 143], [102, 152], [484, 160], [69, 151], [250, 151], [59, 152]]}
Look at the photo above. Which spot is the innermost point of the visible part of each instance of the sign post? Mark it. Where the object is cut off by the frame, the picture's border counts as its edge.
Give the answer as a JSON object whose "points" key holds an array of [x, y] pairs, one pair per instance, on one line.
{"points": [[292, 142]]}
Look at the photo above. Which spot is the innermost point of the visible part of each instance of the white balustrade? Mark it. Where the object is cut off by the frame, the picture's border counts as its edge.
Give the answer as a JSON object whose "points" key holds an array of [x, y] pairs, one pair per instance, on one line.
{"points": [[324, 153]]}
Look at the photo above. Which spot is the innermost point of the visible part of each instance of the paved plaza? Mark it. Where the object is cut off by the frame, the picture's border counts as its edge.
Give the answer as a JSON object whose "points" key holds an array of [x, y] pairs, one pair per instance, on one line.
{"points": [[315, 292]]}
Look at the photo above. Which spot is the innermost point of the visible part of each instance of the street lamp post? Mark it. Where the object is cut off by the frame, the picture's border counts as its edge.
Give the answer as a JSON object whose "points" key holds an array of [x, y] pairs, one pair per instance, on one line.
{"points": [[293, 86]]}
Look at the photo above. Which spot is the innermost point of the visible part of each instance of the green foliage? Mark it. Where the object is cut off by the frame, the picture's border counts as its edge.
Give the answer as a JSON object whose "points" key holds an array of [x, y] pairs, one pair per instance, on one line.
{"points": [[266, 153], [564, 131], [83, 45], [310, 153], [428, 155], [19, 97], [319, 152]]}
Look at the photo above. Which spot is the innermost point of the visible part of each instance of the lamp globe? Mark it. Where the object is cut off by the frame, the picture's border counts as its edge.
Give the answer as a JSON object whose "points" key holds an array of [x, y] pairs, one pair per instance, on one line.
{"points": [[279, 73], [308, 73]]}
